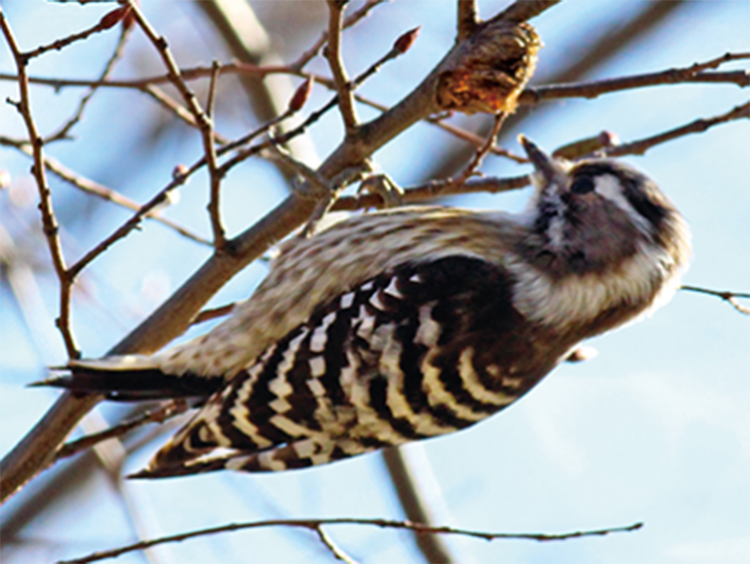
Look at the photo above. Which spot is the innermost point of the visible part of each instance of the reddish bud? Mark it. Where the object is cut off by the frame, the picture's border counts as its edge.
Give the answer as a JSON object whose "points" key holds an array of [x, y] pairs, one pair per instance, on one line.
{"points": [[608, 139], [577, 149], [582, 354], [300, 96], [404, 43], [179, 171], [114, 17]]}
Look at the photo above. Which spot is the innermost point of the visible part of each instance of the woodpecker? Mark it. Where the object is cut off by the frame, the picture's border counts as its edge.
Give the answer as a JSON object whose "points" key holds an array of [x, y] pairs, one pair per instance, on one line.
{"points": [[407, 324]]}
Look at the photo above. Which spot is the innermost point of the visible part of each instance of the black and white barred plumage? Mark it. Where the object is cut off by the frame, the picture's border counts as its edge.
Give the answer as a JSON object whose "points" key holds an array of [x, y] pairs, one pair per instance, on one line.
{"points": [[408, 324]]}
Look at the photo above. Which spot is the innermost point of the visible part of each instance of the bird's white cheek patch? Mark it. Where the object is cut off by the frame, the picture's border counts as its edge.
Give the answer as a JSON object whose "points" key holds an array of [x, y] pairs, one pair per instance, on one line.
{"points": [[608, 186]]}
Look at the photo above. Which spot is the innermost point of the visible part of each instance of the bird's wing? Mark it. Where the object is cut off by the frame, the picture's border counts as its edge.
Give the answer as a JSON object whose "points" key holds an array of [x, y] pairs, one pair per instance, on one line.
{"points": [[421, 350]]}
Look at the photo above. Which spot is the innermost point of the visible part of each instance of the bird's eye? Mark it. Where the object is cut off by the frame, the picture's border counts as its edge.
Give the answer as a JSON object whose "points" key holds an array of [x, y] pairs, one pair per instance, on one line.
{"points": [[582, 185]]}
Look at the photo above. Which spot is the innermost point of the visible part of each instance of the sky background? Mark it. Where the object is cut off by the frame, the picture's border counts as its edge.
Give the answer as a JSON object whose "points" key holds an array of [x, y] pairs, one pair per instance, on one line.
{"points": [[655, 429]]}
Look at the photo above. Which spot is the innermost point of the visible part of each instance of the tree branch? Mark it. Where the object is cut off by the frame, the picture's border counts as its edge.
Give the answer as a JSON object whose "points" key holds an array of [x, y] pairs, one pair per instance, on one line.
{"points": [[693, 73], [349, 21], [95, 189], [159, 415], [468, 18], [315, 524], [640, 146], [204, 122], [729, 297], [523, 10], [49, 220], [336, 63]]}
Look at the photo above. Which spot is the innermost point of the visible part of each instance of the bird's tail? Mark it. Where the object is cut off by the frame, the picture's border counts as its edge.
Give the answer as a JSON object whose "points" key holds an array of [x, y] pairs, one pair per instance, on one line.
{"points": [[130, 378]]}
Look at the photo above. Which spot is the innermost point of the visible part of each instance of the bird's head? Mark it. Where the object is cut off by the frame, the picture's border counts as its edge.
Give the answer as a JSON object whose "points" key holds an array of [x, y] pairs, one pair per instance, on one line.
{"points": [[594, 214]]}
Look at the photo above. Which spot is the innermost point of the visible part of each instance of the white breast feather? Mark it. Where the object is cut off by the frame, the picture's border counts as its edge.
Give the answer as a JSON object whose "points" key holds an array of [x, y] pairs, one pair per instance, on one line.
{"points": [[576, 299]]}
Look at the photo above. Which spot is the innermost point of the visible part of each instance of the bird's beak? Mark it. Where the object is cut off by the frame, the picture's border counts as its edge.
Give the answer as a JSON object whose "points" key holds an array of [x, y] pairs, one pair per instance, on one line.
{"points": [[547, 167]]}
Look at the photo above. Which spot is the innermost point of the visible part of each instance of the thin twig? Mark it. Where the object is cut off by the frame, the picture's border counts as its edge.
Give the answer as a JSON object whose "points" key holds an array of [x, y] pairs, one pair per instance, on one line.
{"points": [[729, 297], [95, 189], [468, 18], [214, 203], [108, 21], [285, 137], [402, 44], [605, 42], [349, 21], [476, 161], [316, 187], [125, 229], [382, 523], [49, 221], [438, 121], [171, 409], [434, 189], [279, 139], [335, 549], [170, 104], [693, 73], [202, 119], [640, 146], [64, 131], [189, 74], [336, 63], [532, 96], [245, 139], [215, 68], [476, 140]]}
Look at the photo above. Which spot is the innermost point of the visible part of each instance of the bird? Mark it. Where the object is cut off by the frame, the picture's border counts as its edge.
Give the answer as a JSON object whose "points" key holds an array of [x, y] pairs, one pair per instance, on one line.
{"points": [[409, 323]]}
